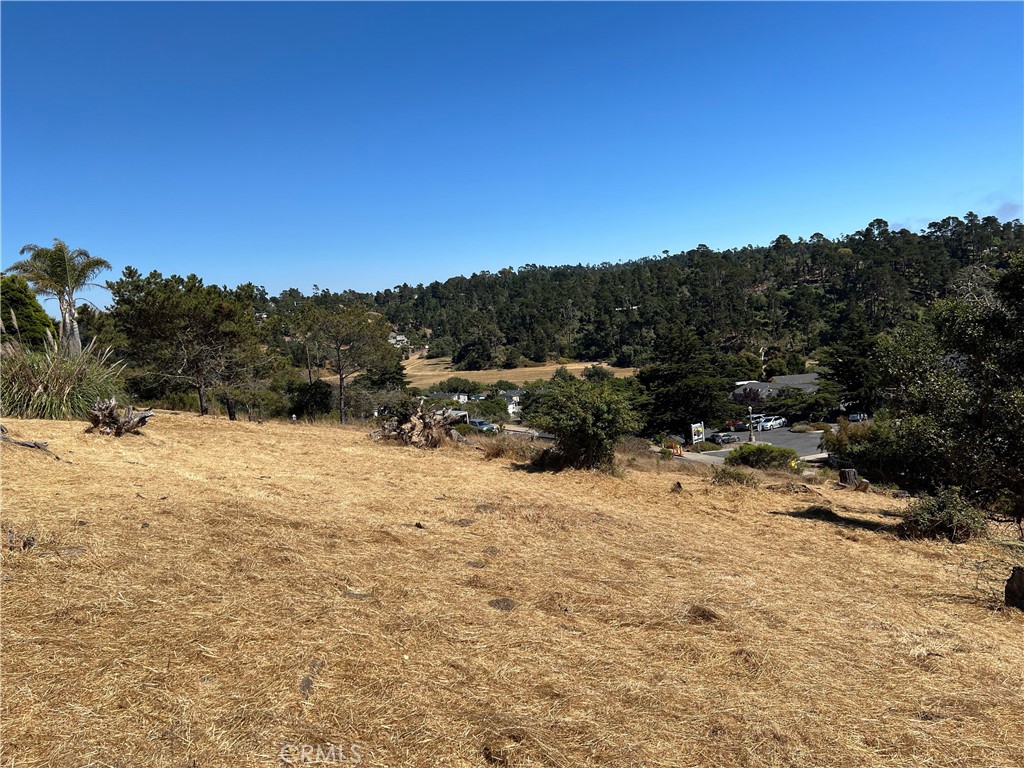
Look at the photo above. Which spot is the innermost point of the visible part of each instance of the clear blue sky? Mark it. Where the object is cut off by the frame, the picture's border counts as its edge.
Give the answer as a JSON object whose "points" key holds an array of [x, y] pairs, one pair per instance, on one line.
{"points": [[365, 145]]}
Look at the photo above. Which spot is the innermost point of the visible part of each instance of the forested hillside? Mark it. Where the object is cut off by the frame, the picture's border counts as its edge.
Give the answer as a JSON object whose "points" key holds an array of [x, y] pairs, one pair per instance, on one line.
{"points": [[790, 296]]}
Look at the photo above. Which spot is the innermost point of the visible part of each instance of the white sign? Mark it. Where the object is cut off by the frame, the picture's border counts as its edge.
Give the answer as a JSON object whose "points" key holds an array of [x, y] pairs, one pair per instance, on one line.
{"points": [[697, 431]]}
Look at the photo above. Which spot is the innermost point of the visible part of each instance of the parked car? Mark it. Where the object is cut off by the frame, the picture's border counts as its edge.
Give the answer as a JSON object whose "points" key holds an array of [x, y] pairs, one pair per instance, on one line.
{"points": [[771, 422], [482, 425], [855, 418], [721, 438], [742, 426]]}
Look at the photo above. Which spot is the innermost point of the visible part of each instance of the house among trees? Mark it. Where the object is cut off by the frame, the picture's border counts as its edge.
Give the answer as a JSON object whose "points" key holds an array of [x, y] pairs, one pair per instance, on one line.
{"points": [[762, 390], [513, 400]]}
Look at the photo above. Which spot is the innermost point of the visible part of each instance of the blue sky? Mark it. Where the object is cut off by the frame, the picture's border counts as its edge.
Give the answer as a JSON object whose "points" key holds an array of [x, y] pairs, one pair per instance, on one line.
{"points": [[362, 145]]}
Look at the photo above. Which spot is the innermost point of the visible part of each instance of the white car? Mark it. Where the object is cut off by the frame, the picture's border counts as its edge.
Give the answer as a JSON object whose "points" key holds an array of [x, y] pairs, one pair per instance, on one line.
{"points": [[771, 422]]}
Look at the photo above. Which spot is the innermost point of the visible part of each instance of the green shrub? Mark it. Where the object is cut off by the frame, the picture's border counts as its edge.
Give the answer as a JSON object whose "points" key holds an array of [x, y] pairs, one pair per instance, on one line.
{"points": [[53, 383], [586, 419], [763, 456], [704, 446], [733, 476], [943, 516]]}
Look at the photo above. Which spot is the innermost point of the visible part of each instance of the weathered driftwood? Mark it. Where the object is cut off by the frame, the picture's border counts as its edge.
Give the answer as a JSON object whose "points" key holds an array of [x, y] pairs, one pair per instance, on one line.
{"points": [[40, 445], [105, 418], [425, 429]]}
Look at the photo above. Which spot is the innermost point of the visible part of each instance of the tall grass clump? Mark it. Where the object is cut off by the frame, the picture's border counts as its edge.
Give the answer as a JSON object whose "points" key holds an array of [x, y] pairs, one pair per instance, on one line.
{"points": [[54, 384], [734, 476], [509, 447]]}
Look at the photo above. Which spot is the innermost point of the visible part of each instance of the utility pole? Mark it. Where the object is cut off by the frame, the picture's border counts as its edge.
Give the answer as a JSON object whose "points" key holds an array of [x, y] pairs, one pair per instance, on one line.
{"points": [[750, 421]]}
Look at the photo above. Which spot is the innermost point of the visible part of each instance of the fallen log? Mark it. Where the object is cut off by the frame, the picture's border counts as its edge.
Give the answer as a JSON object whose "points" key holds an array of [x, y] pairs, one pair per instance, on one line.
{"points": [[424, 429], [108, 421]]}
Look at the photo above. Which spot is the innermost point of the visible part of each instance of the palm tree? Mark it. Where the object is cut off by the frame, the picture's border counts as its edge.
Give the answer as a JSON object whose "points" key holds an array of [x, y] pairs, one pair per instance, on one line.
{"points": [[59, 272]]}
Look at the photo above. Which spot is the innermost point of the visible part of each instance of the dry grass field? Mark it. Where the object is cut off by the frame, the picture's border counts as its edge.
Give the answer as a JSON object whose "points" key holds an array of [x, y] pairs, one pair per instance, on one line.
{"points": [[422, 372], [203, 594]]}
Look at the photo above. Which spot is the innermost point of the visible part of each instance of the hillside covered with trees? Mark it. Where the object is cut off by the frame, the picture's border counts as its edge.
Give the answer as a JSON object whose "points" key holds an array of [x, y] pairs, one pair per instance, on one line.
{"points": [[787, 297]]}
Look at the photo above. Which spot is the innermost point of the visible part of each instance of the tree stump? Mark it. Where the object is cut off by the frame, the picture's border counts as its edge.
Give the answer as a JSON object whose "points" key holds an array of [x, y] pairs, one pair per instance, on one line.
{"points": [[1014, 593], [848, 477]]}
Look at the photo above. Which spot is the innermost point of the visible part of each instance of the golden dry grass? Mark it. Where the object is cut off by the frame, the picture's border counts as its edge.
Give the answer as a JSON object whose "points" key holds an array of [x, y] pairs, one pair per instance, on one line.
{"points": [[422, 372], [204, 593]]}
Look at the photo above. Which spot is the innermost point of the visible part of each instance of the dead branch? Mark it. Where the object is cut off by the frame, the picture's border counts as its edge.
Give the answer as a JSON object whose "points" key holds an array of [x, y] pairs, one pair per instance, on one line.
{"points": [[40, 445]]}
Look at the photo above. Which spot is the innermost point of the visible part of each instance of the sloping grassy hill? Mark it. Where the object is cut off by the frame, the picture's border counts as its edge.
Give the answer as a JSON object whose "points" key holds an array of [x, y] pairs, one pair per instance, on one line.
{"points": [[423, 372], [210, 591]]}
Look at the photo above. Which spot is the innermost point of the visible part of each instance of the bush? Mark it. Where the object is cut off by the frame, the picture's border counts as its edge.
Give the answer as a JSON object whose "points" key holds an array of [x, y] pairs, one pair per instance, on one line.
{"points": [[585, 418], [54, 384], [943, 516], [733, 476], [762, 456]]}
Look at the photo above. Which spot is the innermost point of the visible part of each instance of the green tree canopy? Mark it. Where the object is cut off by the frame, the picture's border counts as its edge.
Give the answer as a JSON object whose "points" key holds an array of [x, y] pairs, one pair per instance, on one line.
{"points": [[21, 314], [178, 329], [359, 341], [953, 393], [687, 383]]}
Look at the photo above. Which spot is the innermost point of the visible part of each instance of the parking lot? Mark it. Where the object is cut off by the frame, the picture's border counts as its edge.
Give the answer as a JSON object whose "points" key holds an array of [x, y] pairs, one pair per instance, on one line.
{"points": [[804, 443]]}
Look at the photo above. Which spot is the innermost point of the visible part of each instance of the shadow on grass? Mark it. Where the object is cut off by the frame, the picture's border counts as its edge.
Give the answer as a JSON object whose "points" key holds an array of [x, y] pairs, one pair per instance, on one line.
{"points": [[531, 467], [827, 515], [548, 460]]}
